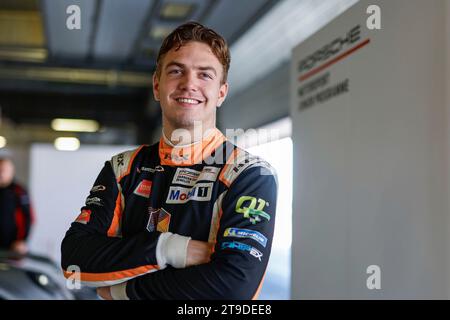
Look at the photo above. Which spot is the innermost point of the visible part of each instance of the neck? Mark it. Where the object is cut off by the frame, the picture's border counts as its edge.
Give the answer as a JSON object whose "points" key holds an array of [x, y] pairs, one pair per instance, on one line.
{"points": [[183, 137]]}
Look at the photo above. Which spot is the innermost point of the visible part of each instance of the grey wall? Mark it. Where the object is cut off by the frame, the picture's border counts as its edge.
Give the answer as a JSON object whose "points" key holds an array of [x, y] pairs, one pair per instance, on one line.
{"points": [[371, 165], [265, 101], [446, 119]]}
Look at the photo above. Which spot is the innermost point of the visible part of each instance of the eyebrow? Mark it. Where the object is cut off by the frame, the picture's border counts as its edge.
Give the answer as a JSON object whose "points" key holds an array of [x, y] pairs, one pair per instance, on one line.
{"points": [[181, 65]]}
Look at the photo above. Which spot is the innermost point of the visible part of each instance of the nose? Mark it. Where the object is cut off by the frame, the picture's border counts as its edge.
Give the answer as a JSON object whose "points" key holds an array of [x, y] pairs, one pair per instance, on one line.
{"points": [[188, 82]]}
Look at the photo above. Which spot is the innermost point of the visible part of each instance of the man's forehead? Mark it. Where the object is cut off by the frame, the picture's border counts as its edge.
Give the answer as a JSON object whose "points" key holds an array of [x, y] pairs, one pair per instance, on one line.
{"points": [[202, 52], [199, 66], [191, 45]]}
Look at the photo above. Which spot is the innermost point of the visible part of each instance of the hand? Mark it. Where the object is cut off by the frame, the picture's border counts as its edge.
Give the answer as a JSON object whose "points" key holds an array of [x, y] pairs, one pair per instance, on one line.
{"points": [[198, 252], [19, 247], [104, 293]]}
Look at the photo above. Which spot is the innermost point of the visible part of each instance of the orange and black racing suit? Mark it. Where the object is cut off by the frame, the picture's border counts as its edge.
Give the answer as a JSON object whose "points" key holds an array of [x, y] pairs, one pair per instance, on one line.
{"points": [[147, 203]]}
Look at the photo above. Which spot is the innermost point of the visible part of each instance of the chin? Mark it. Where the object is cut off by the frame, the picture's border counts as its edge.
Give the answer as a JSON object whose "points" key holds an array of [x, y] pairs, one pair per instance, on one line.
{"points": [[189, 124], [184, 122]]}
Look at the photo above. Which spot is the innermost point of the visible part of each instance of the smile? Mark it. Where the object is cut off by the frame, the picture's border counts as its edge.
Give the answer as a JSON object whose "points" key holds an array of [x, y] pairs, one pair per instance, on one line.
{"points": [[188, 100]]}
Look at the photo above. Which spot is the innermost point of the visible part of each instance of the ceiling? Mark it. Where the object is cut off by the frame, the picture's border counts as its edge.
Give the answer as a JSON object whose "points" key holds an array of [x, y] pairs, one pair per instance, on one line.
{"points": [[103, 69]]}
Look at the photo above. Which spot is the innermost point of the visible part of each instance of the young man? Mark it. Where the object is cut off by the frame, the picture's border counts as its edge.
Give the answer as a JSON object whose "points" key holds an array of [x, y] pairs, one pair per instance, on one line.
{"points": [[16, 213], [199, 212]]}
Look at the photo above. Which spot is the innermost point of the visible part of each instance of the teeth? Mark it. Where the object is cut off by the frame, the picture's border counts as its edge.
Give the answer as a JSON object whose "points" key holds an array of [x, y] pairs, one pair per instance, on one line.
{"points": [[184, 100]]}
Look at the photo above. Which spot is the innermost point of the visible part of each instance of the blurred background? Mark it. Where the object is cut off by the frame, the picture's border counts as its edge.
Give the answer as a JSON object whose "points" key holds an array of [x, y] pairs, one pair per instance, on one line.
{"points": [[364, 173], [100, 76]]}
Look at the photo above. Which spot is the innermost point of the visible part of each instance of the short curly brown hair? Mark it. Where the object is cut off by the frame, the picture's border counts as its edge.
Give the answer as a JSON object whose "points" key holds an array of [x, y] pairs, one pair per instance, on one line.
{"points": [[194, 31]]}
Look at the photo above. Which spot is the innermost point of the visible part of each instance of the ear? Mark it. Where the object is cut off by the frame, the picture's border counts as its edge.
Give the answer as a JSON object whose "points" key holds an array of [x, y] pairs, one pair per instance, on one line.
{"points": [[223, 91], [155, 86]]}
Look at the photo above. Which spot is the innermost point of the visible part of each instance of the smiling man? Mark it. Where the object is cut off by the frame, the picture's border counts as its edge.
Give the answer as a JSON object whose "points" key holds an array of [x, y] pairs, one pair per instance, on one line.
{"points": [[190, 217], [190, 86]]}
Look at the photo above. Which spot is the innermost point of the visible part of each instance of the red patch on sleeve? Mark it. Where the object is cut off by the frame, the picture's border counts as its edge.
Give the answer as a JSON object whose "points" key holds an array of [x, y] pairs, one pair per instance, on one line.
{"points": [[84, 217]]}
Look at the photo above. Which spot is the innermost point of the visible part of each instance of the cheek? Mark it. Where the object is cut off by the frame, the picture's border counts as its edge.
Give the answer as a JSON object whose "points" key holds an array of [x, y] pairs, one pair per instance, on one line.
{"points": [[166, 90], [213, 93]]}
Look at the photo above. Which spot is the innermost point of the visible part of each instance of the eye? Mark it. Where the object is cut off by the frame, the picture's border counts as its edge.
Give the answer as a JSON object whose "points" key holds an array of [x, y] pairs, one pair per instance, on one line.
{"points": [[206, 75], [174, 71]]}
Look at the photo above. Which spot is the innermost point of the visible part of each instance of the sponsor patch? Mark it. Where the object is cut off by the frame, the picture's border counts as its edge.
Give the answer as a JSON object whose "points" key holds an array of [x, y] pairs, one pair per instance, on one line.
{"points": [[236, 164], [163, 221], [159, 220], [209, 174], [144, 188], [84, 216], [98, 188], [94, 201], [151, 170], [199, 192], [186, 176], [120, 163], [252, 208], [255, 215], [153, 219], [245, 233], [243, 247], [121, 159]]}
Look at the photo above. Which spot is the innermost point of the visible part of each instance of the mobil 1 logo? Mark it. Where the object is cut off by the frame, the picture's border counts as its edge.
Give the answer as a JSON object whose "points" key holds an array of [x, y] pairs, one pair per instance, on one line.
{"points": [[199, 192]]}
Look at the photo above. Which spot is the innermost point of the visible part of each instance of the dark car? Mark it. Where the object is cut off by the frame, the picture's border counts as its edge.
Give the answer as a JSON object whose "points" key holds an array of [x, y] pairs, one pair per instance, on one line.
{"points": [[34, 277]]}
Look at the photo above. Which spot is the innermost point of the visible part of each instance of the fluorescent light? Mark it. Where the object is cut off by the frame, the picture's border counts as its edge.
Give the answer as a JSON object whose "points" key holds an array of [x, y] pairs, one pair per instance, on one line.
{"points": [[110, 78], [67, 144], [77, 125], [23, 54], [160, 32], [270, 41], [176, 10], [2, 141]]}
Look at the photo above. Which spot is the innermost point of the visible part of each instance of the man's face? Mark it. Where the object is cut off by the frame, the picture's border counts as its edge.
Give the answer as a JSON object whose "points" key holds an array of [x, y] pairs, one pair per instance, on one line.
{"points": [[6, 172], [189, 88]]}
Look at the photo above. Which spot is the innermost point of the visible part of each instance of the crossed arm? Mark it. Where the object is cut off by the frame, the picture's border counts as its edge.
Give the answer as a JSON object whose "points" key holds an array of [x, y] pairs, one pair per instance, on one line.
{"points": [[198, 252], [233, 271]]}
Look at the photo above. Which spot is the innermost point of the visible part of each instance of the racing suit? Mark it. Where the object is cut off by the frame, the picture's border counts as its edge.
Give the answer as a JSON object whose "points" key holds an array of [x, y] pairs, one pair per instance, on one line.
{"points": [[16, 215], [147, 203]]}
